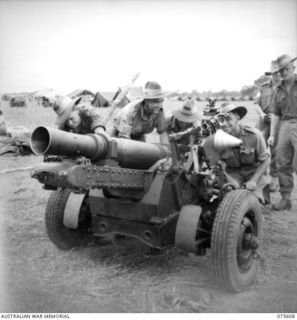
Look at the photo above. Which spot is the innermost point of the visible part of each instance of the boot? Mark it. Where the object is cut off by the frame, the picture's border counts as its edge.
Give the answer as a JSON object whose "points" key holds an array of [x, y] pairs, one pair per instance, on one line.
{"points": [[284, 204]]}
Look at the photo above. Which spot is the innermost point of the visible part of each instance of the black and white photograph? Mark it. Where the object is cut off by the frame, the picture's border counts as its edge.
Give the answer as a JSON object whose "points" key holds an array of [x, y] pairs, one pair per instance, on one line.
{"points": [[148, 158]]}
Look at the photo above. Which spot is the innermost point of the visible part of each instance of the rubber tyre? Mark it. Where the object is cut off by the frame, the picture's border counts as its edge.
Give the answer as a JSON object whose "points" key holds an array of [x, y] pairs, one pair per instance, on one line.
{"points": [[236, 207], [65, 238]]}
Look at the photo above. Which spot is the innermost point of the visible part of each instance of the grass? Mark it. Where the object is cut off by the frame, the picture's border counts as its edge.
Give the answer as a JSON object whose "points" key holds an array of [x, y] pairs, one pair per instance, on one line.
{"points": [[30, 117]]}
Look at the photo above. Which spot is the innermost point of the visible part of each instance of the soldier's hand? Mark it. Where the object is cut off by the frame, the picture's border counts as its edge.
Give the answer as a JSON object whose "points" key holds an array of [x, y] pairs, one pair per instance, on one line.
{"points": [[267, 117], [232, 181], [99, 130], [235, 184], [137, 131], [177, 135], [270, 141], [251, 185]]}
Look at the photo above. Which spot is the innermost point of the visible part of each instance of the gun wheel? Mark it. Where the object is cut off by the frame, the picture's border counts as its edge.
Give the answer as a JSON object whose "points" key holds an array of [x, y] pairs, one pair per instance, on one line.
{"points": [[65, 238], [236, 235]]}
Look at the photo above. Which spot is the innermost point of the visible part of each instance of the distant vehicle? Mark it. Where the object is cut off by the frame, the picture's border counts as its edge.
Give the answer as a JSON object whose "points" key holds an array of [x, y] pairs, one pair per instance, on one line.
{"points": [[5, 97], [18, 102], [46, 102]]}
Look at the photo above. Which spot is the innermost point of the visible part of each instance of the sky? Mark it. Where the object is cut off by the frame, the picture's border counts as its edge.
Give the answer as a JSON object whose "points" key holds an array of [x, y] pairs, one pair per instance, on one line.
{"points": [[184, 45]]}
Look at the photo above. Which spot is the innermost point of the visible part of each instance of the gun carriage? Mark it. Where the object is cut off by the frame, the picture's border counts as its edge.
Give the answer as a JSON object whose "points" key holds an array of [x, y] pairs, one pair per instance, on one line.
{"points": [[161, 195]]}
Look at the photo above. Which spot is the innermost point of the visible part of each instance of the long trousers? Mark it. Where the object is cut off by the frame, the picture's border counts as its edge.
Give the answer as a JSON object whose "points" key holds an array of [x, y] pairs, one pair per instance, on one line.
{"points": [[265, 129], [242, 175], [286, 156]]}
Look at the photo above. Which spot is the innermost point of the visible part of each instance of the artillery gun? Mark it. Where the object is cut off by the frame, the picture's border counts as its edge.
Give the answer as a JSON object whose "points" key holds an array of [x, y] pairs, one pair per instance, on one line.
{"points": [[105, 185]]}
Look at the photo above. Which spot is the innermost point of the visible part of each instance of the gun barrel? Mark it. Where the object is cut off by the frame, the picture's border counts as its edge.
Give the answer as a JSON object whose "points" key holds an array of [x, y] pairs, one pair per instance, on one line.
{"points": [[128, 153], [46, 140]]}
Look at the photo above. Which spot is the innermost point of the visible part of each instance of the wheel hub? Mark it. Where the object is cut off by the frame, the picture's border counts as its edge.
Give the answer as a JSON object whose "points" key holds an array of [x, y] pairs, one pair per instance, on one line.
{"points": [[247, 244], [250, 241]]}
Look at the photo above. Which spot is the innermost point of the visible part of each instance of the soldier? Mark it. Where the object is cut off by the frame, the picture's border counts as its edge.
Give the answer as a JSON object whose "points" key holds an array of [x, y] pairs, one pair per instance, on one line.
{"points": [[77, 118], [264, 101], [248, 163], [3, 125], [284, 104], [140, 117], [182, 118]]}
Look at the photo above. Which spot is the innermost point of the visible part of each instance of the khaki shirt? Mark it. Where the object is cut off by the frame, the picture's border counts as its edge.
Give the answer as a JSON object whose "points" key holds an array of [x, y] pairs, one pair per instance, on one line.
{"points": [[284, 103], [90, 120], [250, 154], [264, 100], [132, 123]]}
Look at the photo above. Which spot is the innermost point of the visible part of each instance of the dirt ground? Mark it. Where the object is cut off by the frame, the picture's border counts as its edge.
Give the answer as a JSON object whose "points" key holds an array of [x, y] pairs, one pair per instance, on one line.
{"points": [[121, 276]]}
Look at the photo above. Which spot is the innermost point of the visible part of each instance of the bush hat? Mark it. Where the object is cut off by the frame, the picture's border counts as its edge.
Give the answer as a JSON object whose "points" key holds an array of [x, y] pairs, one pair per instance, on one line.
{"points": [[284, 60], [63, 106], [230, 107], [273, 68], [153, 91], [188, 112]]}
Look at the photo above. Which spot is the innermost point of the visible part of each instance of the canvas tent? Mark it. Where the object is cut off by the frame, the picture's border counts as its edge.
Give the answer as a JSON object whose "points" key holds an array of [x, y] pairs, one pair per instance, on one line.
{"points": [[99, 101], [105, 99], [81, 92]]}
